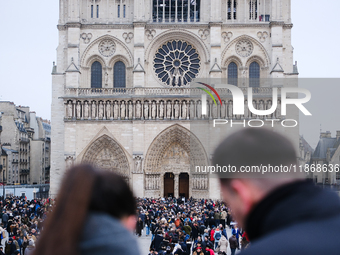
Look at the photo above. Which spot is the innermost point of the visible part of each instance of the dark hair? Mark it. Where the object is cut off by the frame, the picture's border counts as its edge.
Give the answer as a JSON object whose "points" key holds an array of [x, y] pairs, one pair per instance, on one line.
{"points": [[253, 147], [83, 189]]}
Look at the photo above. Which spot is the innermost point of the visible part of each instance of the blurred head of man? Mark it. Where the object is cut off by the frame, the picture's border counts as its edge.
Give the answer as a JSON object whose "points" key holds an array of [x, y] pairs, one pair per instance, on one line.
{"points": [[253, 148]]}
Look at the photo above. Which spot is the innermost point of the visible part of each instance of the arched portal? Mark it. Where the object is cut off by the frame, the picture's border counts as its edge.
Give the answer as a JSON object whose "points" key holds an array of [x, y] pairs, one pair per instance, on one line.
{"points": [[106, 154], [177, 151]]}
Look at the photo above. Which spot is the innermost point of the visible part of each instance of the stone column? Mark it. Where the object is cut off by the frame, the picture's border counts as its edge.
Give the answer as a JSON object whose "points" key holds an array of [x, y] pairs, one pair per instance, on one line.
{"points": [[176, 188]]}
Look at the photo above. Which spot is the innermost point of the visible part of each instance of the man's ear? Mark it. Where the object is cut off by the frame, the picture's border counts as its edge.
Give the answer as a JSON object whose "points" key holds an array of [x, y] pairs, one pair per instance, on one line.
{"points": [[130, 222], [245, 193]]}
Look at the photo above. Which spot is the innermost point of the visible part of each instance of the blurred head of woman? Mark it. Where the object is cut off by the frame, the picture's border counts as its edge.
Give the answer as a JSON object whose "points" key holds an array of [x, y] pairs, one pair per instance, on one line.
{"points": [[88, 198]]}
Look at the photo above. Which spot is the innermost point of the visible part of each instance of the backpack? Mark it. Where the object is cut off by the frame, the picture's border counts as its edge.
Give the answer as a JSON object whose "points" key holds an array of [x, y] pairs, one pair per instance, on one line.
{"points": [[218, 236]]}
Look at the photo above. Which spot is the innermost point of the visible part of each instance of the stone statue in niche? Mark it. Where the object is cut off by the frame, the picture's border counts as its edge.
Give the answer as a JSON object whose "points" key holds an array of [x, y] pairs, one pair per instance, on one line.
{"points": [[168, 110], [86, 110], [184, 110], [161, 109], [255, 106], [78, 110], [153, 110], [269, 106], [69, 110], [130, 110], [230, 109], [278, 109], [101, 110], [246, 110], [69, 162], [176, 109], [146, 110], [138, 110], [192, 110], [177, 76], [223, 110], [93, 110], [138, 164], [106, 78], [122, 110], [108, 110], [115, 110], [214, 111], [199, 110]]}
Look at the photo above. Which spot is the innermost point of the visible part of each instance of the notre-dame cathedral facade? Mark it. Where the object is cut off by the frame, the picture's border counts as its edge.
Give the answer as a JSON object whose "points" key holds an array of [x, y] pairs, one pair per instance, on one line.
{"points": [[121, 83]]}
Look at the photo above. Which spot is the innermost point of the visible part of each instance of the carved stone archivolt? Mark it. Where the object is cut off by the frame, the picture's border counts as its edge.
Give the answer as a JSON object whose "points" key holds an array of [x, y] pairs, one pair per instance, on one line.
{"points": [[172, 151], [106, 154]]}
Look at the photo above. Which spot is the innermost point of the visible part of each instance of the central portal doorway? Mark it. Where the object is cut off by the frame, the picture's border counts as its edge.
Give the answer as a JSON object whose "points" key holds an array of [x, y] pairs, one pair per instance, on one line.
{"points": [[184, 185], [169, 185]]}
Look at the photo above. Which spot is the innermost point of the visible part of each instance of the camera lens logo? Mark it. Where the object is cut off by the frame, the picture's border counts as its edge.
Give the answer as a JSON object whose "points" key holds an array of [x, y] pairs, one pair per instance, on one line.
{"points": [[204, 96]]}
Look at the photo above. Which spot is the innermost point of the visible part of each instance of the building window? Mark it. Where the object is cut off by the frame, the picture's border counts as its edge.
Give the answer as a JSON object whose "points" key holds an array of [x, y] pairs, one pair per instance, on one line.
{"points": [[91, 11], [253, 9], [176, 63], [118, 11], [232, 74], [254, 75], [96, 75], [97, 11], [119, 77], [176, 10], [232, 7], [124, 11]]}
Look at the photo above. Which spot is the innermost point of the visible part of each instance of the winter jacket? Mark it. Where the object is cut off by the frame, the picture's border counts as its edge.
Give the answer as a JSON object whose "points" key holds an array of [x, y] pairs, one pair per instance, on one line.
{"points": [[295, 219], [223, 244], [104, 234], [233, 242]]}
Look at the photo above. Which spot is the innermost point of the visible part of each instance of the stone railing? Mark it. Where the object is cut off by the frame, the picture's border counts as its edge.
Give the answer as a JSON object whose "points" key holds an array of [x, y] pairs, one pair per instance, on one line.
{"points": [[102, 92]]}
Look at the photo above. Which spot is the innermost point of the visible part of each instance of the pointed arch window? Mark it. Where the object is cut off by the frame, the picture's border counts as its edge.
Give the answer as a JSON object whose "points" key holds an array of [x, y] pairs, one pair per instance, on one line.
{"points": [[232, 73], [119, 75], [253, 10], [232, 8], [254, 75], [96, 75]]}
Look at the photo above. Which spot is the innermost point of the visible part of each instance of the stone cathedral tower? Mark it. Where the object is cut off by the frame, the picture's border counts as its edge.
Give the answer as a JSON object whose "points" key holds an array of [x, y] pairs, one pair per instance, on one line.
{"points": [[120, 83]]}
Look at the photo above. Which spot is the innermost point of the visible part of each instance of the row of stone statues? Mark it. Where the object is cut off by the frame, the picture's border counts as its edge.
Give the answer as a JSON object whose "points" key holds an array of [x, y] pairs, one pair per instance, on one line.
{"points": [[182, 110], [200, 181], [152, 181]]}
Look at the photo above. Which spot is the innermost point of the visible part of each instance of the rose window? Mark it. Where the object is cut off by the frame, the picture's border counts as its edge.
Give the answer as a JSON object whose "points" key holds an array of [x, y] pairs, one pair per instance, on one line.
{"points": [[176, 63]]}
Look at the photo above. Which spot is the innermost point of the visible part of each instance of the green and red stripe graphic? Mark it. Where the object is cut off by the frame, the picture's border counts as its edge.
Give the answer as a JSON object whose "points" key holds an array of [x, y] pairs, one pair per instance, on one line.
{"points": [[209, 93]]}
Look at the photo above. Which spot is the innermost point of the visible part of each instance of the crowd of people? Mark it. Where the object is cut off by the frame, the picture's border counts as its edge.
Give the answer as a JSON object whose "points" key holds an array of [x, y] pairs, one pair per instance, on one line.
{"points": [[197, 227], [21, 223]]}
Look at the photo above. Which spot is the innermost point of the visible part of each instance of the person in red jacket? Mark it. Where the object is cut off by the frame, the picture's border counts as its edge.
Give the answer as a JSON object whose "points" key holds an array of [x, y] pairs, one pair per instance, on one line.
{"points": [[212, 232], [208, 249]]}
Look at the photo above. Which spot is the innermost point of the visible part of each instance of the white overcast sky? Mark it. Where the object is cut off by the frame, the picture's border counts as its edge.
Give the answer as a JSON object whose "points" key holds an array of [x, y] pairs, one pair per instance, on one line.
{"points": [[30, 37]]}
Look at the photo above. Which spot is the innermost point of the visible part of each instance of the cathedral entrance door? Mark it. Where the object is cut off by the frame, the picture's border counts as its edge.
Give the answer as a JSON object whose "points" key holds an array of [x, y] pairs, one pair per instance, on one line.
{"points": [[169, 185], [184, 185]]}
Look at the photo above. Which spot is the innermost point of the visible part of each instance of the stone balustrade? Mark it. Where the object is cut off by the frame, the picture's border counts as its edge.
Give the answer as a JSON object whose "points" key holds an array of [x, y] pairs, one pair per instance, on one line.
{"points": [[159, 109], [102, 92]]}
